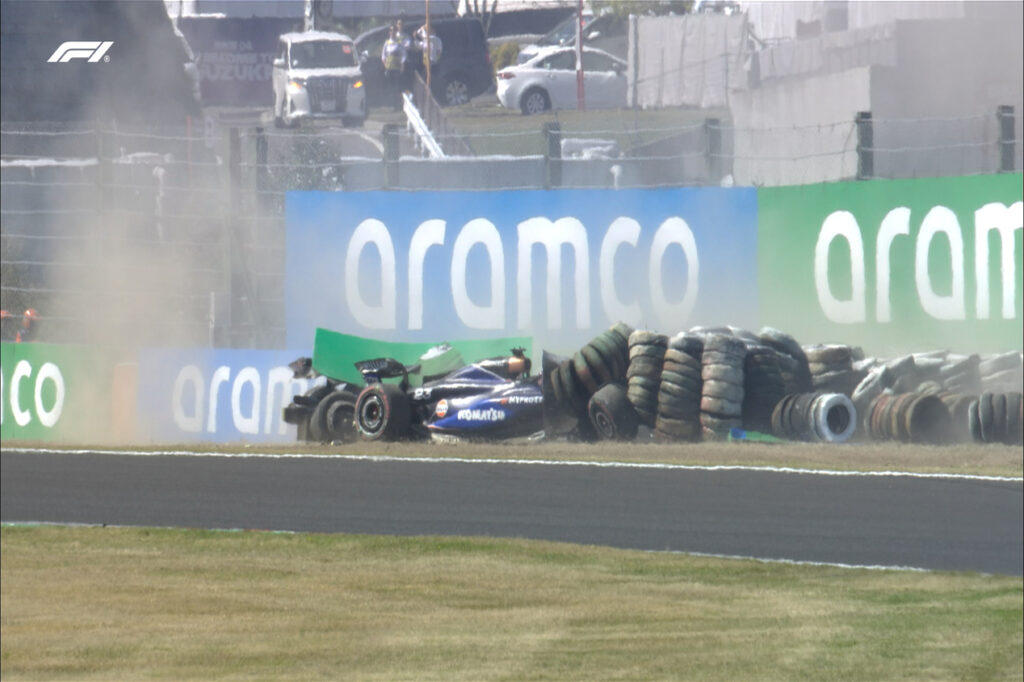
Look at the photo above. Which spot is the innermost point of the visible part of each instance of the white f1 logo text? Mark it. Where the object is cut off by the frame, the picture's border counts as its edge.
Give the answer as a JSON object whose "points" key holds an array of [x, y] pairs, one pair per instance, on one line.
{"points": [[92, 50]]}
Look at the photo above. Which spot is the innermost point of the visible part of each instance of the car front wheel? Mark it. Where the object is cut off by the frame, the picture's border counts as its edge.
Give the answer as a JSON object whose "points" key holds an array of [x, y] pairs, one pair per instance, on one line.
{"points": [[535, 101]]}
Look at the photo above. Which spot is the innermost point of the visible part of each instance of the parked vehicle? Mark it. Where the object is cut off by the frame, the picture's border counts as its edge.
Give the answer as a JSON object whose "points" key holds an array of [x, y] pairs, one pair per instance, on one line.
{"points": [[606, 32], [316, 75], [464, 70], [548, 81]]}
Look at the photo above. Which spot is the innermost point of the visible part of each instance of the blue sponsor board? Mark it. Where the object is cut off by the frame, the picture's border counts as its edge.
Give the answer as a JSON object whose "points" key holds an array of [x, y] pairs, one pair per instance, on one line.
{"points": [[188, 395], [560, 265]]}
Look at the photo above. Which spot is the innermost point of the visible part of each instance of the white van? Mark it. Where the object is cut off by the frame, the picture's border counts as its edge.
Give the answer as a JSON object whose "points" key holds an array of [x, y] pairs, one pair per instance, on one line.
{"points": [[316, 75]]}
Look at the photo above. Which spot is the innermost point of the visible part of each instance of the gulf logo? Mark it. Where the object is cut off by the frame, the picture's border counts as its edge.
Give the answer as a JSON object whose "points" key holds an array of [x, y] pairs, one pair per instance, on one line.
{"points": [[442, 408]]}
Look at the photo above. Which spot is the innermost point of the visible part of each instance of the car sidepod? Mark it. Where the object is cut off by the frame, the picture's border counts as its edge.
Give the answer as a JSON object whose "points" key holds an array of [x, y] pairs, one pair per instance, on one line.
{"points": [[509, 410]]}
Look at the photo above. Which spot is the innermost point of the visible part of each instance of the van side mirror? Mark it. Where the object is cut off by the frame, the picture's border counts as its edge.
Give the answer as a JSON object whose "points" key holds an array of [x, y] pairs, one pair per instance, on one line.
{"points": [[279, 63]]}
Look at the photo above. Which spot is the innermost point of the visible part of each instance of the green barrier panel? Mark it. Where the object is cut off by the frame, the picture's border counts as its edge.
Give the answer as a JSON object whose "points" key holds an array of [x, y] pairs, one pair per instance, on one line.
{"points": [[895, 265], [56, 393], [335, 353]]}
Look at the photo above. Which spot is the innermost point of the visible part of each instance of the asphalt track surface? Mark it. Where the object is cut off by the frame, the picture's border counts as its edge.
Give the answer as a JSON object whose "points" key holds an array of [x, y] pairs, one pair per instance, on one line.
{"points": [[945, 523]]}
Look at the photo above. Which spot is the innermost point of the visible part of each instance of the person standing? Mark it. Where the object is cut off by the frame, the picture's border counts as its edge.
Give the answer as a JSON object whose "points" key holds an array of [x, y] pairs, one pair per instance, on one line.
{"points": [[394, 56], [411, 59], [431, 47], [29, 327]]}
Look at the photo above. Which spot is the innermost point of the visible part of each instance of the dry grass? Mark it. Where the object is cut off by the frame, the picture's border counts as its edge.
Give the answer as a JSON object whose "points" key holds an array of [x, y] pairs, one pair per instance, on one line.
{"points": [[128, 604]]}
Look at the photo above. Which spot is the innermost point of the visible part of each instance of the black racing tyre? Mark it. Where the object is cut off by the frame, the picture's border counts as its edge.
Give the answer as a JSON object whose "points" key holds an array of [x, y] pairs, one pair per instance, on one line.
{"points": [[999, 363], [575, 392], [645, 382], [644, 367], [534, 101], [829, 354], [612, 415], [682, 381], [677, 428], [614, 353], [1013, 419], [340, 418], [643, 398], [621, 330], [780, 341], [727, 344], [644, 337], [673, 392], [674, 411], [714, 357], [721, 407], [974, 421], [383, 412], [316, 427], [817, 368], [599, 365], [585, 374], [998, 418], [646, 350], [691, 344], [686, 371], [681, 357], [725, 390], [719, 425], [719, 372]]}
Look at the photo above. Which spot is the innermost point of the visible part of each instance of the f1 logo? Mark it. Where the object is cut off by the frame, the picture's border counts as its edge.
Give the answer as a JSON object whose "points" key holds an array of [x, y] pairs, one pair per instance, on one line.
{"points": [[91, 50]]}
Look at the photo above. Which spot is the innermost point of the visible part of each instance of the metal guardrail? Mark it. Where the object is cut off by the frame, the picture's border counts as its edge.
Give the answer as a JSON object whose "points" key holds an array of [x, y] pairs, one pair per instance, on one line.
{"points": [[415, 123]]}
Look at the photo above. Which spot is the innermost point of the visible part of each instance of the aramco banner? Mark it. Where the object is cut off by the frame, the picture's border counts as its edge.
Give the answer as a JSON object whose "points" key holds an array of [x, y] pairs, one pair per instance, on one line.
{"points": [[556, 265], [895, 264]]}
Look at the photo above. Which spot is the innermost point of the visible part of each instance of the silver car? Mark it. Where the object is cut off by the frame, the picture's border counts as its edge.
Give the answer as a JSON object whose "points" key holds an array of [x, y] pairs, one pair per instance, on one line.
{"points": [[316, 75]]}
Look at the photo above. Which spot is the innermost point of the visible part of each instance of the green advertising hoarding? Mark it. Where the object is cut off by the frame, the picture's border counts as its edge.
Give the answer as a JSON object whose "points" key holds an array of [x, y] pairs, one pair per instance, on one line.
{"points": [[334, 354], [895, 265], [57, 393]]}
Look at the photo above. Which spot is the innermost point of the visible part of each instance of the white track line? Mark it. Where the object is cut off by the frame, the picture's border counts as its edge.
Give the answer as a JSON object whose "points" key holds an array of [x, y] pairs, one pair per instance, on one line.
{"points": [[522, 462], [700, 555]]}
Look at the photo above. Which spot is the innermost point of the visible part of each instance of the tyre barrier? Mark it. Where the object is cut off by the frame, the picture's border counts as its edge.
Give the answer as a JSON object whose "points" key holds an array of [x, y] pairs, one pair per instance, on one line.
{"points": [[763, 387], [908, 418], [997, 418], [722, 394], [679, 394], [703, 382], [643, 378], [823, 417]]}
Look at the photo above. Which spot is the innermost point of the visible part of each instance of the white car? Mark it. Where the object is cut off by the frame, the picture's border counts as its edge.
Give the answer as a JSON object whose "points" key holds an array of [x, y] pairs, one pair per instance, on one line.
{"points": [[317, 75], [548, 81]]}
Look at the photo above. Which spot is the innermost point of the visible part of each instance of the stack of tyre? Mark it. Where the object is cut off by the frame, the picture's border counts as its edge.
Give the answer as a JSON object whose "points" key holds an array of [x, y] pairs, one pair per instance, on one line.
{"points": [[646, 358], [823, 417], [997, 418], [1001, 373], [793, 365], [831, 368], [763, 387], [602, 361], [679, 392], [721, 403]]}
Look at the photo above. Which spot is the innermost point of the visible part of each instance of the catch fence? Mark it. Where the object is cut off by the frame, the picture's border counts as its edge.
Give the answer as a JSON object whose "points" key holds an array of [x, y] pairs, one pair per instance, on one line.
{"points": [[172, 237]]}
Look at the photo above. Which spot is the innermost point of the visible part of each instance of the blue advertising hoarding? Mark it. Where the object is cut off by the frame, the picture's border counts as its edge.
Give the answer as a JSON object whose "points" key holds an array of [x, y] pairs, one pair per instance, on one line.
{"points": [[560, 266], [204, 394]]}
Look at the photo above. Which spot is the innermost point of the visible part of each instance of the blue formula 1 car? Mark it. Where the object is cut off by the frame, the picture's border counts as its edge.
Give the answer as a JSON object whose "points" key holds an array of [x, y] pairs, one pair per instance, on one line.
{"points": [[493, 399]]}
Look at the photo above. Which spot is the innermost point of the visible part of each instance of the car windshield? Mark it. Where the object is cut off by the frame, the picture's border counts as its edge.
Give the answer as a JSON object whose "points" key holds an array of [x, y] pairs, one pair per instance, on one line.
{"points": [[565, 32], [322, 54]]}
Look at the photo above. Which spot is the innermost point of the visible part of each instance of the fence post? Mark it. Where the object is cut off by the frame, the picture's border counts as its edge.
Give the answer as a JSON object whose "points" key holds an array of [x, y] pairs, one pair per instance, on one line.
{"points": [[389, 131], [865, 146], [552, 155], [713, 162], [1007, 143], [261, 166], [231, 227]]}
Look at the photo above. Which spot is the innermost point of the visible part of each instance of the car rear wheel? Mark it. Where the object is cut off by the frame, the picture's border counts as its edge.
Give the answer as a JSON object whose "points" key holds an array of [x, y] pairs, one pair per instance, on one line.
{"points": [[456, 91], [612, 415], [382, 412], [535, 101]]}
